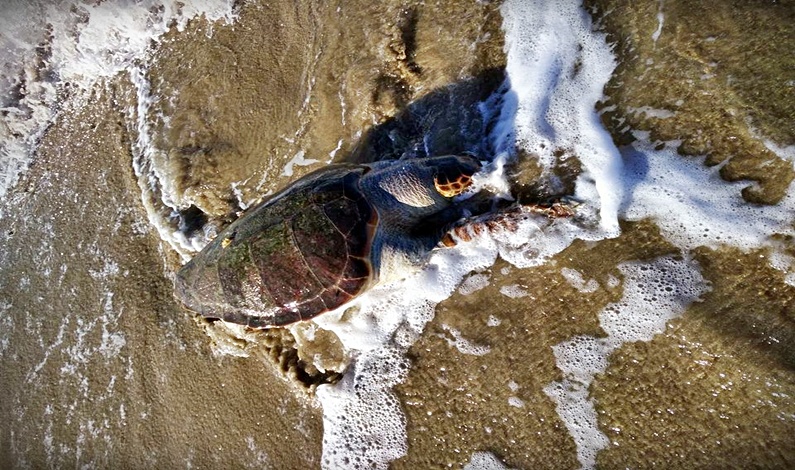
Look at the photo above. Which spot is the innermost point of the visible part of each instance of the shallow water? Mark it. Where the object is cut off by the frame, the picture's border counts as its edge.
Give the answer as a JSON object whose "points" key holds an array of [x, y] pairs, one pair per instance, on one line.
{"points": [[654, 329]]}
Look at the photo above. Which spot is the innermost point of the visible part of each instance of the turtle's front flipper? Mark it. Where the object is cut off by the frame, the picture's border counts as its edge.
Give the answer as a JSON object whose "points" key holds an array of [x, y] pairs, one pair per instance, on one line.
{"points": [[505, 220]]}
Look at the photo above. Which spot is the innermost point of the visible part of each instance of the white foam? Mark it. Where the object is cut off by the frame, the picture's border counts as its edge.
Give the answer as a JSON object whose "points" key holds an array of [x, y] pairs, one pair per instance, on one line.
{"points": [[485, 461], [784, 263], [335, 150], [83, 43], [785, 152], [660, 21], [377, 328], [299, 160], [513, 291], [557, 67], [576, 279], [157, 192], [515, 402], [368, 429], [463, 345], [242, 204], [473, 283], [6, 326], [654, 293], [693, 206], [648, 111]]}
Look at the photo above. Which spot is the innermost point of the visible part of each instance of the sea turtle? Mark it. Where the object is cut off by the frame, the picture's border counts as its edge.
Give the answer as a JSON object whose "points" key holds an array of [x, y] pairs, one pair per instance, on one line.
{"points": [[325, 239]]}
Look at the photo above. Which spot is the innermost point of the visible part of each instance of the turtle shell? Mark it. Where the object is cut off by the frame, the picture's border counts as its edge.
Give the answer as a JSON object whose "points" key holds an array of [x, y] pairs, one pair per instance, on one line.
{"points": [[301, 253]]}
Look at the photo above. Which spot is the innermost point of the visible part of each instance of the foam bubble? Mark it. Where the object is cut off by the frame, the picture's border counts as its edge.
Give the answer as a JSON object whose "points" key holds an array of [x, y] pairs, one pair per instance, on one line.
{"points": [[157, 189], [784, 263], [463, 345], [578, 282], [473, 283], [368, 424], [300, 160], [537, 238], [660, 21], [513, 291], [556, 69], [515, 402], [387, 320]]}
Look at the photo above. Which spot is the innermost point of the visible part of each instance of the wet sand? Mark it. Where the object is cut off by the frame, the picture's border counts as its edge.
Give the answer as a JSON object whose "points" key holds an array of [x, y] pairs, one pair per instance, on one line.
{"points": [[100, 365]]}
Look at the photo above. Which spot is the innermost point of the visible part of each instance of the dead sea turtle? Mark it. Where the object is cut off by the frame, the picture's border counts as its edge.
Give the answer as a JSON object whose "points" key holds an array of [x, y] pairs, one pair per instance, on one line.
{"points": [[325, 239]]}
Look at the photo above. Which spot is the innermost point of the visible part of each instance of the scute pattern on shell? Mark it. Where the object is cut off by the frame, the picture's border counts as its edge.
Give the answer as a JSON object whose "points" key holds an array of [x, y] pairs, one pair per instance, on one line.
{"points": [[299, 254]]}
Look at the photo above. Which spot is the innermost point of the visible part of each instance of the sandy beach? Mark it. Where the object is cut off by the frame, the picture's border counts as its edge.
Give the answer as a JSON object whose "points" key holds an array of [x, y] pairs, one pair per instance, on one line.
{"points": [[102, 368]]}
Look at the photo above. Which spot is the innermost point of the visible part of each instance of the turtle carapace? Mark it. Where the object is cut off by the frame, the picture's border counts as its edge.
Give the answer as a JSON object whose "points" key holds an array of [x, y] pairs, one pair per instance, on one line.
{"points": [[325, 239]]}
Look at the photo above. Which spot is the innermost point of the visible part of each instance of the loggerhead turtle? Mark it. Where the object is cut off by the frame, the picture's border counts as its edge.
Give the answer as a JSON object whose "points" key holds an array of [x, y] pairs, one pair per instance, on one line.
{"points": [[325, 239]]}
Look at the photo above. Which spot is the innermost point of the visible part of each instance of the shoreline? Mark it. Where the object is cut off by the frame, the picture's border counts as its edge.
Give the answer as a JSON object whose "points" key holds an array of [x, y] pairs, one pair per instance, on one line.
{"points": [[101, 366]]}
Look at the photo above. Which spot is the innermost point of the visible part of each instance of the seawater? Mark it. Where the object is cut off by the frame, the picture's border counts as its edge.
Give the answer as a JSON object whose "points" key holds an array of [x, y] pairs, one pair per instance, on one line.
{"points": [[51, 46], [557, 68]]}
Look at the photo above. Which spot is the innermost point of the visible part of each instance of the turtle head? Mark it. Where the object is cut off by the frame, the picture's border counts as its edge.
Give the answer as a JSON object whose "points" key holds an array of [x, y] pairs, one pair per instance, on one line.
{"points": [[453, 175], [415, 204], [420, 187]]}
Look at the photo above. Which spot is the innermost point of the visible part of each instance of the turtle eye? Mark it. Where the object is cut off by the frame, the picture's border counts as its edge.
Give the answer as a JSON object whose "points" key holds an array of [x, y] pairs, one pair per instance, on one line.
{"points": [[451, 187]]}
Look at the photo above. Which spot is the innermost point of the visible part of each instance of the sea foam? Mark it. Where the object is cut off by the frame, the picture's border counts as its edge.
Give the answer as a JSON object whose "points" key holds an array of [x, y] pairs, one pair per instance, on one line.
{"points": [[49, 46], [693, 206], [557, 67], [654, 293]]}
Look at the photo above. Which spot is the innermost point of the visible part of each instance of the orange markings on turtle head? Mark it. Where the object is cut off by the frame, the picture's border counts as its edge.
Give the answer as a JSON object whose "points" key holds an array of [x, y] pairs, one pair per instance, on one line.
{"points": [[448, 188]]}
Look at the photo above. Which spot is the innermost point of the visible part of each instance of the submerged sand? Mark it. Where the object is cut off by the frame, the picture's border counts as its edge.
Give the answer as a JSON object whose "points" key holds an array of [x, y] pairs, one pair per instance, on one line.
{"points": [[101, 367]]}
